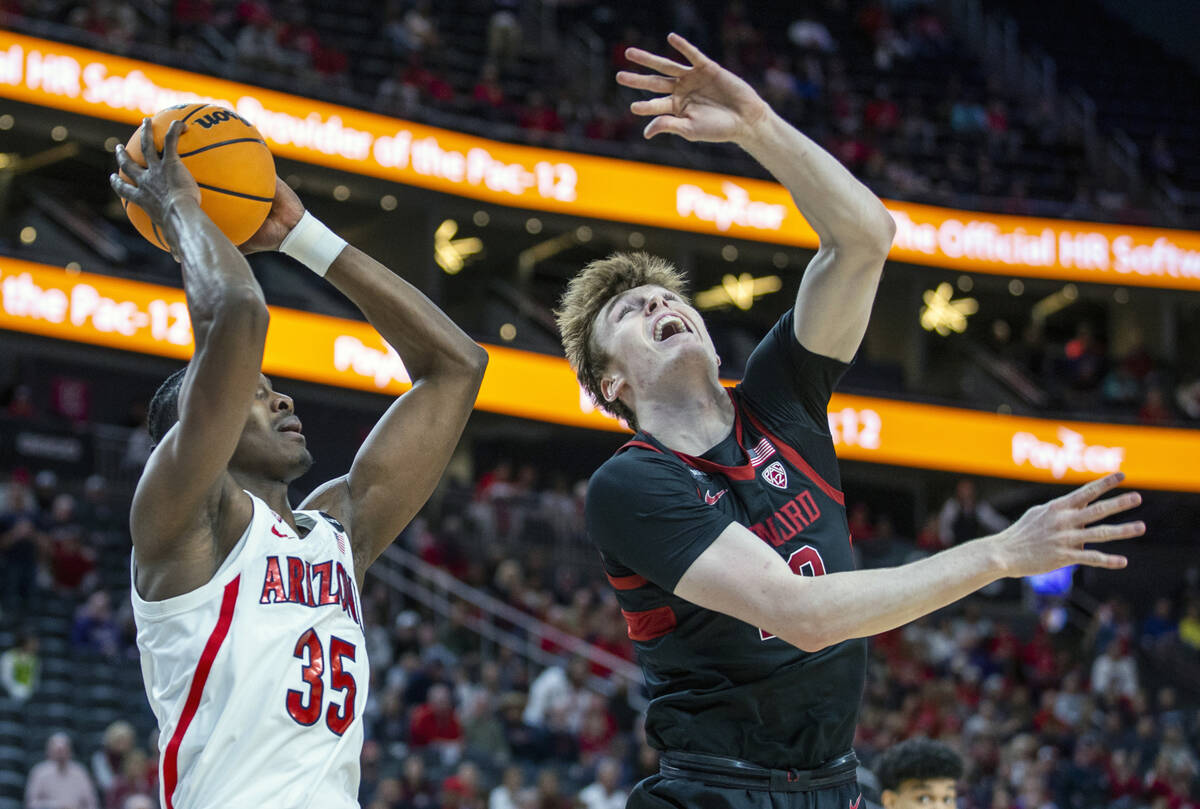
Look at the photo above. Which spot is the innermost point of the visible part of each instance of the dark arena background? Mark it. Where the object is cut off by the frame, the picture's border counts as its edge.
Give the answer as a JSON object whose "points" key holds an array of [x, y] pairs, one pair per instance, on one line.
{"points": [[1036, 327]]}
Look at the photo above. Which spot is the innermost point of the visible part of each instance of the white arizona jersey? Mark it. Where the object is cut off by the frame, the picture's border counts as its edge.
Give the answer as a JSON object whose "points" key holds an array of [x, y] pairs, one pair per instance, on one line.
{"points": [[259, 678]]}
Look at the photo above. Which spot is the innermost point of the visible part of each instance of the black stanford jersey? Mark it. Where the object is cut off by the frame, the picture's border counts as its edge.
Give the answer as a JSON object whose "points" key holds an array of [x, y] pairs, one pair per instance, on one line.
{"points": [[718, 685]]}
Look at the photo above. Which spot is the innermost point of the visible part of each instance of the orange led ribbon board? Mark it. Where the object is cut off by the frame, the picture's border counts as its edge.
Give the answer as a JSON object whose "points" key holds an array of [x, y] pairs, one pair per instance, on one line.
{"points": [[151, 319], [101, 85]]}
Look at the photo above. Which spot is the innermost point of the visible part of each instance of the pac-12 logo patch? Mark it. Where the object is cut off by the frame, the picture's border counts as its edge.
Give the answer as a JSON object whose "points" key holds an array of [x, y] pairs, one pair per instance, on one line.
{"points": [[776, 475]]}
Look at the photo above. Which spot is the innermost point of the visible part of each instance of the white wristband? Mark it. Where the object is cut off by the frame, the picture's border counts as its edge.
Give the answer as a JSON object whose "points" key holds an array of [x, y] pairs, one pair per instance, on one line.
{"points": [[313, 244]]}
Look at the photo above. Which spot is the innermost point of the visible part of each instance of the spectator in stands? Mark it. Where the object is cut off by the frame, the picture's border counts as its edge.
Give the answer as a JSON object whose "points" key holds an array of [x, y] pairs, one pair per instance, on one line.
{"points": [[20, 668], [1187, 398], [97, 511], [435, 724], [965, 517], [559, 690], [811, 35], [462, 789], [487, 97], [504, 33], [1081, 783], [1123, 781], [1154, 410], [72, 564], [604, 792], [20, 404], [506, 794], [1189, 626], [1084, 359], [882, 114], [138, 776], [60, 782], [397, 94], [538, 116], [413, 790], [1115, 671], [94, 629], [1160, 625], [19, 543], [549, 792], [109, 761], [596, 732]]}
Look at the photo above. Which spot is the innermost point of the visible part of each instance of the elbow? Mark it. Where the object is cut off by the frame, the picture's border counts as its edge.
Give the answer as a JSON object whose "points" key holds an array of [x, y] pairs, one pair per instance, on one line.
{"points": [[473, 363], [879, 234], [805, 625], [478, 360], [243, 308], [809, 639], [867, 243]]}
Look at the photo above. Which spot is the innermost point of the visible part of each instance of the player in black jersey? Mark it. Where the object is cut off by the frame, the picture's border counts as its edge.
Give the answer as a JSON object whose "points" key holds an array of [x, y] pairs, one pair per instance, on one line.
{"points": [[704, 519]]}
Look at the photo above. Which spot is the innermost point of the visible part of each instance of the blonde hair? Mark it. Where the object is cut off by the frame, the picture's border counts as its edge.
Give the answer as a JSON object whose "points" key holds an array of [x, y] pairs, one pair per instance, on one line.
{"points": [[587, 293]]}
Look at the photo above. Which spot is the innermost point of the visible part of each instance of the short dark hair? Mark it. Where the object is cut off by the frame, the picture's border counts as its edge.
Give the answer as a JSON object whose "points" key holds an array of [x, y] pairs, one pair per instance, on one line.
{"points": [[163, 411], [917, 760]]}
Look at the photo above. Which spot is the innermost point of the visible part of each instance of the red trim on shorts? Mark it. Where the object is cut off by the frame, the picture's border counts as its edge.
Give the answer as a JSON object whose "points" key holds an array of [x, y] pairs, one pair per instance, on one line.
{"points": [[631, 582], [650, 624], [170, 767], [796, 460]]}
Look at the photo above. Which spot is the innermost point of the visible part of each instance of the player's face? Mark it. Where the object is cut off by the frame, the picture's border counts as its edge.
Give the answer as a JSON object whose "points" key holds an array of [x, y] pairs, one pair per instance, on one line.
{"points": [[648, 332], [272, 445], [935, 793]]}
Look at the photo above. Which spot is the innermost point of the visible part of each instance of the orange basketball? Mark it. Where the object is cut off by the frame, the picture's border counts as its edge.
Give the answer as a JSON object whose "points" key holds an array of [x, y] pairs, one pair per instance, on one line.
{"points": [[231, 164]]}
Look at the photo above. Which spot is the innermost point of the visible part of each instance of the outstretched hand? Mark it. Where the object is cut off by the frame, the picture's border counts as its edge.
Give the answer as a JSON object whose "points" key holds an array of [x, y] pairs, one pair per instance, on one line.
{"points": [[1054, 534], [700, 102], [286, 210]]}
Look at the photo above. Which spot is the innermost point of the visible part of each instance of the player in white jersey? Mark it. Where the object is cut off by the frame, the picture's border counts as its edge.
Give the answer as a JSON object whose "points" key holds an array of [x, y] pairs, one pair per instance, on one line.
{"points": [[248, 613]]}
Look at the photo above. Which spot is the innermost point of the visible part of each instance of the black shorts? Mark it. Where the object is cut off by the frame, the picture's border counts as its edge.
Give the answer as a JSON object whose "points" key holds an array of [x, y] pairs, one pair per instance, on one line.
{"points": [[659, 792]]}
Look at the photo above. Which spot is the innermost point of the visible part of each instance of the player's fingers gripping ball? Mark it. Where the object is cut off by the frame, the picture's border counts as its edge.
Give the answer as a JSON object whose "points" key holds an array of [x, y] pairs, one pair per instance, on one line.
{"points": [[229, 160]]}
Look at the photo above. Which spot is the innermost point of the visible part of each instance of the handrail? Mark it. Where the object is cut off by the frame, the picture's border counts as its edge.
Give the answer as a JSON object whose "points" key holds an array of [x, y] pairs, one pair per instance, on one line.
{"points": [[437, 589]]}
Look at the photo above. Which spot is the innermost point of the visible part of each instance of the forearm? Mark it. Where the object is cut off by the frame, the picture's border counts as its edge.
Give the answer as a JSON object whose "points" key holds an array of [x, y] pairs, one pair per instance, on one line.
{"points": [[426, 339], [861, 603], [215, 273], [842, 211]]}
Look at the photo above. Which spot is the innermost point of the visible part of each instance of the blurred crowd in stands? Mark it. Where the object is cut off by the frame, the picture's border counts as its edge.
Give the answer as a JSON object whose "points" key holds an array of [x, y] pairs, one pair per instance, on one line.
{"points": [[1052, 706], [883, 84], [1085, 374]]}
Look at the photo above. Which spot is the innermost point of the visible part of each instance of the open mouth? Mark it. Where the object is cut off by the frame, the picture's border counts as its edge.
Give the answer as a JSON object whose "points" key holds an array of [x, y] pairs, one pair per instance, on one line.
{"points": [[669, 326]]}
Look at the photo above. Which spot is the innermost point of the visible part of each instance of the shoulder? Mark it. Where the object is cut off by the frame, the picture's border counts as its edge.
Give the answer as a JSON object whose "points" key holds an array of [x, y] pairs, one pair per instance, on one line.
{"points": [[627, 467]]}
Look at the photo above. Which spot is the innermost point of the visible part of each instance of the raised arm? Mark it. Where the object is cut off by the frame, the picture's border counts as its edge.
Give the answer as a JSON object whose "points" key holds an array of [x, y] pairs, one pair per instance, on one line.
{"points": [[812, 613], [402, 460], [703, 101], [178, 495]]}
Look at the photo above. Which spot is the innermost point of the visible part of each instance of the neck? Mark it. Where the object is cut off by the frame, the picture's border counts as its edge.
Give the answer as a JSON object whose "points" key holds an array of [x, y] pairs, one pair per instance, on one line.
{"points": [[686, 422], [272, 492]]}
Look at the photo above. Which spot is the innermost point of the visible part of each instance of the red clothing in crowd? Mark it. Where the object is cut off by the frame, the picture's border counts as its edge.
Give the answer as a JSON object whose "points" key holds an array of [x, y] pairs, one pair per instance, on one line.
{"points": [[541, 118], [428, 727], [488, 94], [71, 564]]}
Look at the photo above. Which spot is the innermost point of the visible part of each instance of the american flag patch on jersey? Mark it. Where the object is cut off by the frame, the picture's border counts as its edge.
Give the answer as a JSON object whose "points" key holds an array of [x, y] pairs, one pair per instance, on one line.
{"points": [[341, 539], [760, 452]]}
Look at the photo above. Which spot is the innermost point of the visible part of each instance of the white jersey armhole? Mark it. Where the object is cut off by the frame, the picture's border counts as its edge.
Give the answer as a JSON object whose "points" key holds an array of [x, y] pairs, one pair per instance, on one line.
{"points": [[189, 600]]}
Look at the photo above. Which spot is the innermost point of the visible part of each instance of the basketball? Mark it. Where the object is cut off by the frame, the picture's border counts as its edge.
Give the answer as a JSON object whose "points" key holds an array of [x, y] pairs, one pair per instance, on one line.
{"points": [[231, 164]]}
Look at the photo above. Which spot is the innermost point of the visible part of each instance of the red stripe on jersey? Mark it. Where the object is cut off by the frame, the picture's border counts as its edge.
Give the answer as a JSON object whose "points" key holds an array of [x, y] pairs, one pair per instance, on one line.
{"points": [[796, 460], [626, 582], [650, 624], [170, 767]]}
